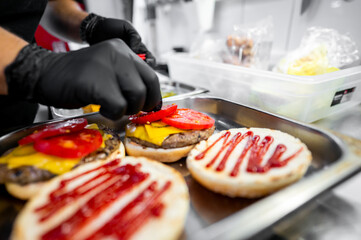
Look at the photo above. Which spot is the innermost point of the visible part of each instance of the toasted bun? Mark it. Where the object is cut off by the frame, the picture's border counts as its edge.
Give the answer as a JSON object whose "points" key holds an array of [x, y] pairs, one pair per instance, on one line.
{"points": [[159, 154], [23, 192], [166, 215], [27, 191], [248, 184]]}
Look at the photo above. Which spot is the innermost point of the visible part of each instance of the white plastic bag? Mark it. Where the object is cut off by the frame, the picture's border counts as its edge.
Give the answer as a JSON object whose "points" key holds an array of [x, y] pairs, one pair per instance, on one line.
{"points": [[208, 46], [250, 45], [322, 50]]}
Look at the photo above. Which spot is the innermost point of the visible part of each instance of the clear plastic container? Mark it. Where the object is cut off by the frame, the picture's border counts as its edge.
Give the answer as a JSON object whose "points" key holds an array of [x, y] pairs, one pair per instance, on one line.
{"points": [[304, 98]]}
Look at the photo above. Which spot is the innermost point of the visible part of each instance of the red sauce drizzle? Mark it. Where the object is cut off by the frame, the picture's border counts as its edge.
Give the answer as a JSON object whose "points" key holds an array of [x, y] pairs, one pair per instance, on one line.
{"points": [[112, 182], [232, 145], [275, 159], [134, 215], [203, 154], [224, 145], [258, 151], [109, 172], [239, 161]]}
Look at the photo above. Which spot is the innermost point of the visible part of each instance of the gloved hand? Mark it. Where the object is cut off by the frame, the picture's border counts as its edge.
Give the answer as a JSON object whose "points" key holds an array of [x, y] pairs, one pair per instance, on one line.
{"points": [[108, 74], [95, 29]]}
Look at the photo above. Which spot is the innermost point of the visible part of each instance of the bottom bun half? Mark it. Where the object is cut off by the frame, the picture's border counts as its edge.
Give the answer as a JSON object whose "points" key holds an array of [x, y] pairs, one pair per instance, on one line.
{"points": [[158, 154], [213, 170], [126, 212], [27, 191], [24, 192]]}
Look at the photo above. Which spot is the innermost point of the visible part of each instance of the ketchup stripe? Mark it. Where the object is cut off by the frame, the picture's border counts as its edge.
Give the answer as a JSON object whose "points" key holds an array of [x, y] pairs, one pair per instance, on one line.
{"points": [[113, 163], [237, 138], [248, 146], [136, 222], [224, 145], [201, 155], [97, 204], [58, 200], [61, 192], [256, 156], [258, 152], [275, 162], [134, 215]]}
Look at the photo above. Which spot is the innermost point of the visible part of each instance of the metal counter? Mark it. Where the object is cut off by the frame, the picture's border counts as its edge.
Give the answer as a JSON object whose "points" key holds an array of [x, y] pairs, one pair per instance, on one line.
{"points": [[337, 213]]}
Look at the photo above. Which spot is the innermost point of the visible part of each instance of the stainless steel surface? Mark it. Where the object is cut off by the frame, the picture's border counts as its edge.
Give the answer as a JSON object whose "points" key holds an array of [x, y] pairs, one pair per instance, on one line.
{"points": [[327, 217], [180, 90], [213, 216], [336, 214]]}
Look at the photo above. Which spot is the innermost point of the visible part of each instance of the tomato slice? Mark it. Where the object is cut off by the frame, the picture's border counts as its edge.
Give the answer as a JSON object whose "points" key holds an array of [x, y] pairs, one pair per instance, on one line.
{"points": [[148, 117], [73, 145], [185, 118], [55, 129]]}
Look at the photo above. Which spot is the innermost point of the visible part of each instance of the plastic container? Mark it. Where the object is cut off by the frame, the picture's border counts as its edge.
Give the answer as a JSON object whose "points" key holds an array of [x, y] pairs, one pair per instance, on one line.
{"points": [[304, 98]]}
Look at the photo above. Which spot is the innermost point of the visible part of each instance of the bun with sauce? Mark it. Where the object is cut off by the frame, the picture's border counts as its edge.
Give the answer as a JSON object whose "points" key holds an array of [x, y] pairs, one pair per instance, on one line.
{"points": [[128, 198], [166, 135], [53, 150], [248, 162]]}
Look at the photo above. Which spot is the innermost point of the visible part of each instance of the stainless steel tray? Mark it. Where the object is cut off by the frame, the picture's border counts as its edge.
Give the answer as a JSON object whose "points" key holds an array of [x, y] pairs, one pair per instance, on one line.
{"points": [[180, 91], [213, 216]]}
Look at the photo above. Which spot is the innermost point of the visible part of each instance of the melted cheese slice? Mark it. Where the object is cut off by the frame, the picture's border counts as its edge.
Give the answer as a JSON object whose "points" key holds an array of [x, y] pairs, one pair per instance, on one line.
{"points": [[155, 132], [26, 155]]}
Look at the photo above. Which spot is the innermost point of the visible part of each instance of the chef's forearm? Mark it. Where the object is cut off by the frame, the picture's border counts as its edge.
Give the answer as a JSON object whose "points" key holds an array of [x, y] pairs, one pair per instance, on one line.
{"points": [[10, 45], [62, 18]]}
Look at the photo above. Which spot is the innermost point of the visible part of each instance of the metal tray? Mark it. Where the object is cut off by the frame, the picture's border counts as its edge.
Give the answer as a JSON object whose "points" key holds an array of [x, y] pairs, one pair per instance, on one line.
{"points": [[180, 91], [213, 216]]}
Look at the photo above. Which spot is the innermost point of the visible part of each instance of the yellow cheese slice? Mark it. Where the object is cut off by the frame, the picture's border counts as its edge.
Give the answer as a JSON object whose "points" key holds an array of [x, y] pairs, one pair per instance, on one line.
{"points": [[26, 155], [155, 132]]}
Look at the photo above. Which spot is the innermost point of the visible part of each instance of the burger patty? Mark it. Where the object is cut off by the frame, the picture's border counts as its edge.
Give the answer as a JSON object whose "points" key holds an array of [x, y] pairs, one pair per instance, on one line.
{"points": [[30, 174], [23, 175], [111, 145], [178, 140]]}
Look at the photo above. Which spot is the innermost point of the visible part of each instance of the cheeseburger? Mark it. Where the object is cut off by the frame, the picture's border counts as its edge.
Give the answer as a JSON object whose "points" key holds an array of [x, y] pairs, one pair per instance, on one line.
{"points": [[166, 135], [53, 150]]}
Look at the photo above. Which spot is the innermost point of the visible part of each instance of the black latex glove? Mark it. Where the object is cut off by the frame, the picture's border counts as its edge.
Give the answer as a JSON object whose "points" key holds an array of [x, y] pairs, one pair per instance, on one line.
{"points": [[108, 74], [95, 29]]}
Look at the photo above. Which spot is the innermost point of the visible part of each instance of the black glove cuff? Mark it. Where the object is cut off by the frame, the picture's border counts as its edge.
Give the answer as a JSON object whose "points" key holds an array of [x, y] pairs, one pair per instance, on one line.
{"points": [[23, 73], [88, 26]]}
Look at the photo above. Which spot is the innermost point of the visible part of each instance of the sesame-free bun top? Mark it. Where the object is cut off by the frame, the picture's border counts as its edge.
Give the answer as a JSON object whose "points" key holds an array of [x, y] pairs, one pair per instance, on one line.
{"points": [[231, 172]]}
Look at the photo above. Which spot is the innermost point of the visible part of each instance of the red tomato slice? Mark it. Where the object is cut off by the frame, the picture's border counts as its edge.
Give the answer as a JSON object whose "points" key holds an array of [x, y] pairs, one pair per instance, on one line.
{"points": [[185, 118], [55, 129], [148, 117], [73, 145]]}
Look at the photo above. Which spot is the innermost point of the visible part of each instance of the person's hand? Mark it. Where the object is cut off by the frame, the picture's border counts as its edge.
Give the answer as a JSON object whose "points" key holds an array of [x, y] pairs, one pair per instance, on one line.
{"points": [[95, 29], [108, 74]]}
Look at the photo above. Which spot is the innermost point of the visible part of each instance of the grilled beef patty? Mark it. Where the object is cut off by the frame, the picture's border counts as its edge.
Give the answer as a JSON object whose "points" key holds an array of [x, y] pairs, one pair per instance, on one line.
{"points": [[29, 174], [24, 174], [178, 140]]}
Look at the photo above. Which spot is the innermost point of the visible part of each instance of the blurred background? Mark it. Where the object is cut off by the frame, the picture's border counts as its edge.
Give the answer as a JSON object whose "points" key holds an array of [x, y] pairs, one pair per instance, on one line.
{"points": [[175, 25], [296, 58]]}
